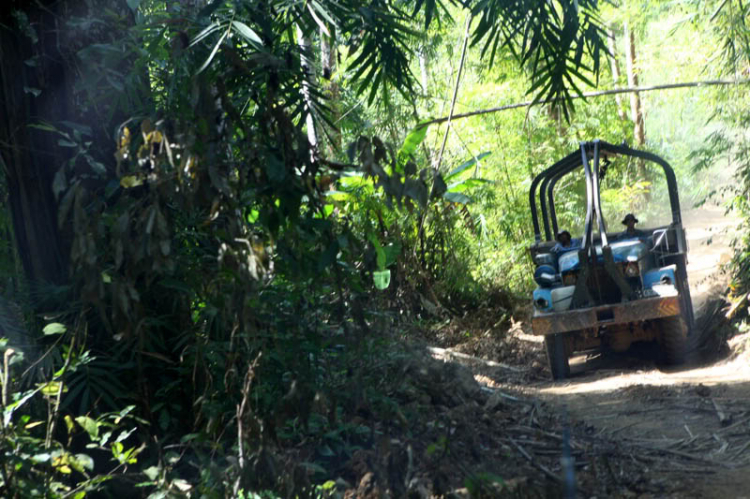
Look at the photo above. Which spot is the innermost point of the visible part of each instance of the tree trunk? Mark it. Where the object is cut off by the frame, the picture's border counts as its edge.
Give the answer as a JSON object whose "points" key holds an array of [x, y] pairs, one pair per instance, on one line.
{"points": [[639, 132], [328, 62], [614, 65], [28, 156], [424, 70], [327, 53], [309, 68], [39, 83]]}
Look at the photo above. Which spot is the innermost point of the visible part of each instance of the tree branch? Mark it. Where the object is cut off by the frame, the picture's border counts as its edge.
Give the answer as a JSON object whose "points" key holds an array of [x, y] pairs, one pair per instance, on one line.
{"points": [[667, 86]]}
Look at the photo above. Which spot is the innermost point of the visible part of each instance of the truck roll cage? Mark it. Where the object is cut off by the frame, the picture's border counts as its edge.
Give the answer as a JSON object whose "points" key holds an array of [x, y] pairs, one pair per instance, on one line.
{"points": [[589, 151]]}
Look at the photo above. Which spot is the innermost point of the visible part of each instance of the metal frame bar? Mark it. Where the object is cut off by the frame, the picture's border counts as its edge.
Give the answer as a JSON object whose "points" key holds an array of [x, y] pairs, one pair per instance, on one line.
{"points": [[623, 313], [550, 176]]}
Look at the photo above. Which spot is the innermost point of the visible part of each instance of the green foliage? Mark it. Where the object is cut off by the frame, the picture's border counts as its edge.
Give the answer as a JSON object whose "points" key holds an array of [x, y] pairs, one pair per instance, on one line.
{"points": [[232, 282], [36, 459], [723, 142], [731, 146]]}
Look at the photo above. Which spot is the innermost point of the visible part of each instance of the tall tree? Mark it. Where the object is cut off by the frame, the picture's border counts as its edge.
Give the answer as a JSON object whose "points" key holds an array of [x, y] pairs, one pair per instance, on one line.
{"points": [[424, 69], [329, 65], [614, 66], [42, 86], [636, 112]]}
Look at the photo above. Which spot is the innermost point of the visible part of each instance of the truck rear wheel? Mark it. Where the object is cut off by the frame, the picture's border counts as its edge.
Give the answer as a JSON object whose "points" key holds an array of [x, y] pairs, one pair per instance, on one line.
{"points": [[673, 339], [557, 355]]}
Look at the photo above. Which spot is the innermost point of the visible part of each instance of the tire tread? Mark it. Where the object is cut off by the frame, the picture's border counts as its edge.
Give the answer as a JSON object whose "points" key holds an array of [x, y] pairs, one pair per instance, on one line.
{"points": [[557, 356]]}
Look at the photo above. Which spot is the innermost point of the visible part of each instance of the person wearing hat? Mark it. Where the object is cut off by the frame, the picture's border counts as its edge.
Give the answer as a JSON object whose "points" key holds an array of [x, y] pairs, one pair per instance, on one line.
{"points": [[630, 232], [565, 242]]}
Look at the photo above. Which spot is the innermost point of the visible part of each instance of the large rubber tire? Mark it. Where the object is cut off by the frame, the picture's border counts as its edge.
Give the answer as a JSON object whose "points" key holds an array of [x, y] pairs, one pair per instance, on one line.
{"points": [[673, 339], [557, 356]]}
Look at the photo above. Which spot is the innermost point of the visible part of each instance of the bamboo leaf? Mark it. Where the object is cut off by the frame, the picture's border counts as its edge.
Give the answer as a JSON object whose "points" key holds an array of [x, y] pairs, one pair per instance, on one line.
{"points": [[412, 141], [457, 197], [213, 53], [468, 183], [54, 328], [467, 165], [247, 33], [204, 33], [312, 7]]}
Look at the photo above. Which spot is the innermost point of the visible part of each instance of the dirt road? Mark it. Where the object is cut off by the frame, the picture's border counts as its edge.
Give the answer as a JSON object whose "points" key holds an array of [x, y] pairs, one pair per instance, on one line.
{"points": [[690, 428], [634, 429]]}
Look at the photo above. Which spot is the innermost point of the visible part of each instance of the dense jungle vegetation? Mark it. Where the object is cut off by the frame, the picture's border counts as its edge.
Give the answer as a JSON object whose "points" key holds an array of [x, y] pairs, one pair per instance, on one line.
{"points": [[224, 222]]}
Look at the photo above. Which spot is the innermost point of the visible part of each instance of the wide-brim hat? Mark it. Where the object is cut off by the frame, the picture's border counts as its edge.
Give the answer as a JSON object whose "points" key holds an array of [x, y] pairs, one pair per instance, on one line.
{"points": [[629, 216], [562, 232]]}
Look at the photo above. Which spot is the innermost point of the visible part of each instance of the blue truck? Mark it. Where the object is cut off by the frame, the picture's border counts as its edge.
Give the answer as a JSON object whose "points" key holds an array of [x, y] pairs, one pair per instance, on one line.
{"points": [[604, 291]]}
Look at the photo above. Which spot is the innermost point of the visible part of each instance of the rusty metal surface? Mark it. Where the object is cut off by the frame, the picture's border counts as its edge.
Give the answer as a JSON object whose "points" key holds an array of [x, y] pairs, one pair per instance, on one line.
{"points": [[621, 313]]}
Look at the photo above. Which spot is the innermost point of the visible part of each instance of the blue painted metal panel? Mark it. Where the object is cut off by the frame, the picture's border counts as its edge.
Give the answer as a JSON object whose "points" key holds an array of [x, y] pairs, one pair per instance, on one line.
{"points": [[624, 251], [664, 275], [543, 295]]}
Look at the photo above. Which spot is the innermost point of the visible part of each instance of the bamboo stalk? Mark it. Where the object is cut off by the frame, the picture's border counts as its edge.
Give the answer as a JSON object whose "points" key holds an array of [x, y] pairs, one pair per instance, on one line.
{"points": [[455, 92]]}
